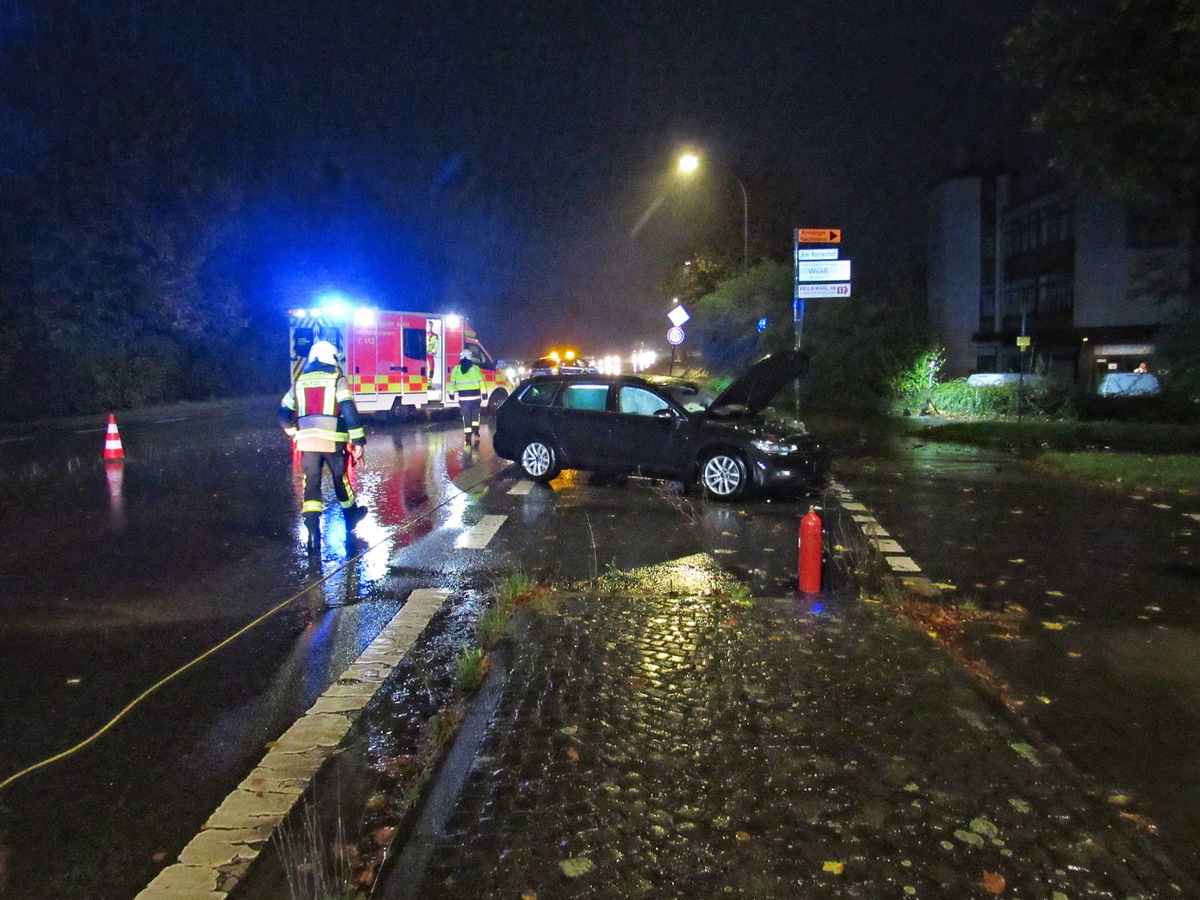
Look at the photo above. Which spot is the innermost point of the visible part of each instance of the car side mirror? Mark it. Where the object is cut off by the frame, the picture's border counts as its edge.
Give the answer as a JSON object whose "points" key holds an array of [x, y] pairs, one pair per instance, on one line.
{"points": [[665, 413]]}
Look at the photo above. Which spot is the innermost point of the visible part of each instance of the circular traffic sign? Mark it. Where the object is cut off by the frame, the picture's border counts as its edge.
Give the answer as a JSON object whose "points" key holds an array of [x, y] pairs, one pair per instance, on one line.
{"points": [[674, 335]]}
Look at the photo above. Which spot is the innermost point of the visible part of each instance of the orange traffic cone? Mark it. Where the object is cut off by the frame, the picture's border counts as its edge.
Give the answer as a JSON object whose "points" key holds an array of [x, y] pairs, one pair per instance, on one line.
{"points": [[112, 440]]}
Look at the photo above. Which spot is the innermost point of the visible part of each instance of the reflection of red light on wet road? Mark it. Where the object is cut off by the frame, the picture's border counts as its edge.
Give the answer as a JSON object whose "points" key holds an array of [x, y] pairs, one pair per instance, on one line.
{"points": [[400, 494]]}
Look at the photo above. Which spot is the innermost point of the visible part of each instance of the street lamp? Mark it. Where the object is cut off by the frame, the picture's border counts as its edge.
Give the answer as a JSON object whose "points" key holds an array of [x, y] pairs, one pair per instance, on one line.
{"points": [[689, 163]]}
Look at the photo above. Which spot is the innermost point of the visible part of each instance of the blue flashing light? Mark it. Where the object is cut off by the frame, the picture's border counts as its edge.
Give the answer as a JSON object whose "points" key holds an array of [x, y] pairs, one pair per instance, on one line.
{"points": [[762, 324]]}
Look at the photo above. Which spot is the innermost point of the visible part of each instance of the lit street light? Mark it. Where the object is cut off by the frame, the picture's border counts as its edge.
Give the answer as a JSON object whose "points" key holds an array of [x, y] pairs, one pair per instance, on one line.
{"points": [[689, 163]]}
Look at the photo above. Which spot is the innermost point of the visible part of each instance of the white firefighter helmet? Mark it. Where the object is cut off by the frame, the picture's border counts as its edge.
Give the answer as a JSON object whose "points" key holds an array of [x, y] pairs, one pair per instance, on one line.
{"points": [[323, 352]]}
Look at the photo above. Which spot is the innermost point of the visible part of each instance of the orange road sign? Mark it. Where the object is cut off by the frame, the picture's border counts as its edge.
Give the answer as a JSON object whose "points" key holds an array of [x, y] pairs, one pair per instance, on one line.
{"points": [[818, 235]]}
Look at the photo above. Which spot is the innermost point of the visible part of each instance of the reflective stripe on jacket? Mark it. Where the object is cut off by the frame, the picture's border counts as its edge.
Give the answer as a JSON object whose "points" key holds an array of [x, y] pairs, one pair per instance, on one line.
{"points": [[469, 384], [323, 409]]}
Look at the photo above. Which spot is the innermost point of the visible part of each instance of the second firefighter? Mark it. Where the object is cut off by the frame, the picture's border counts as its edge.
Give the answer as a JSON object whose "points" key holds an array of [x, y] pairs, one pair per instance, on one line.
{"points": [[466, 382]]}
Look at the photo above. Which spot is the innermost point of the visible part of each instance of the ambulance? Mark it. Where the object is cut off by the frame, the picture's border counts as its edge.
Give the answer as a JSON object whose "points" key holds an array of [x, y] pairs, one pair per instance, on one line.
{"points": [[397, 363]]}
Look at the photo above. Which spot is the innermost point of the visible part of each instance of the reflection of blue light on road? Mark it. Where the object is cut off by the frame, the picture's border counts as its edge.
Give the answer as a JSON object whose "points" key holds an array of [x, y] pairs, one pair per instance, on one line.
{"points": [[818, 609]]}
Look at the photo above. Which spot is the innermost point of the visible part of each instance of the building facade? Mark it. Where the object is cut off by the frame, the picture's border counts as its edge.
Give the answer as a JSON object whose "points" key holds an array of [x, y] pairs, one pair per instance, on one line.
{"points": [[1026, 275]]}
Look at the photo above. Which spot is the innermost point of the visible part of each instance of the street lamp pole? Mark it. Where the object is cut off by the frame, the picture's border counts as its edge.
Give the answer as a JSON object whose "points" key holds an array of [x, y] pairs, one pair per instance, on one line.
{"points": [[688, 163], [745, 225]]}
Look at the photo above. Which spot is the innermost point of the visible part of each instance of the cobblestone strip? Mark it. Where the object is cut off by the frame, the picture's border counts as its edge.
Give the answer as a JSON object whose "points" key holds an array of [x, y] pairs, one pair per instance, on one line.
{"points": [[216, 859], [702, 747]]}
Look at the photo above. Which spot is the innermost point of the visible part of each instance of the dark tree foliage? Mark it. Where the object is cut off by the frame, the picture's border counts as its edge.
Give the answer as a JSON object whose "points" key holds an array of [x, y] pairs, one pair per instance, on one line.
{"points": [[117, 234], [727, 318], [860, 346], [1118, 82]]}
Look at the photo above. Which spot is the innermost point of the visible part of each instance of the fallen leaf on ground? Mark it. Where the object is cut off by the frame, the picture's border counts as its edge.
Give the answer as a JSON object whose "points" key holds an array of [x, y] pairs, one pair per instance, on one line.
{"points": [[1142, 822], [742, 835], [1017, 561], [993, 882], [572, 754], [576, 866], [1056, 593], [1054, 626], [833, 867]]}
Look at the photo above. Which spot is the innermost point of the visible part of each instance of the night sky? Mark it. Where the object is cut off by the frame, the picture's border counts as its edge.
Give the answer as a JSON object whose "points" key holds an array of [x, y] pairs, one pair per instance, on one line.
{"points": [[494, 158]]}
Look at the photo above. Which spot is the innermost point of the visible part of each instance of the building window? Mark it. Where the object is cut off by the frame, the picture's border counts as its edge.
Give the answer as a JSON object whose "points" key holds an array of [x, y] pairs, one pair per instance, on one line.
{"points": [[1040, 228], [987, 309], [1055, 292]]}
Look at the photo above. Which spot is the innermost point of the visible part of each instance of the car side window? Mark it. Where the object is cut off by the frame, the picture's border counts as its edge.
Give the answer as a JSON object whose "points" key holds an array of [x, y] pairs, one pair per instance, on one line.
{"points": [[539, 394], [640, 402], [585, 396]]}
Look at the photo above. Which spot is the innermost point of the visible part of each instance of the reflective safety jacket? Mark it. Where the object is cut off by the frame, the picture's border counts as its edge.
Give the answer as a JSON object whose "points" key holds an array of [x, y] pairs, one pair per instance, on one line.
{"points": [[466, 380], [321, 409]]}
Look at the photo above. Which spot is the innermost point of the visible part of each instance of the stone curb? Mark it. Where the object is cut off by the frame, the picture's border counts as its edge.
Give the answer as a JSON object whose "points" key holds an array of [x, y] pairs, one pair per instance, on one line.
{"points": [[216, 860]]}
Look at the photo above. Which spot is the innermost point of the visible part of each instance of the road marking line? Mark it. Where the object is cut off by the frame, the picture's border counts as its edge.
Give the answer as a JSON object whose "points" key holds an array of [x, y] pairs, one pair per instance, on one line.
{"points": [[215, 860], [855, 507], [478, 536], [10, 440], [521, 488], [176, 419], [902, 564], [1195, 516], [886, 545], [874, 529]]}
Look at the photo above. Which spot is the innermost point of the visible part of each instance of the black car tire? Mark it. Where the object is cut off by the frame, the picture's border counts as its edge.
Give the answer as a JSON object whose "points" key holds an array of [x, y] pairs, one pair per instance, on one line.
{"points": [[538, 461], [497, 397], [723, 476]]}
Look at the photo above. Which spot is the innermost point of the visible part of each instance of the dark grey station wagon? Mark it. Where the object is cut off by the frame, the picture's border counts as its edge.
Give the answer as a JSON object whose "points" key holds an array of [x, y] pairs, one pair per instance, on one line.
{"points": [[663, 427]]}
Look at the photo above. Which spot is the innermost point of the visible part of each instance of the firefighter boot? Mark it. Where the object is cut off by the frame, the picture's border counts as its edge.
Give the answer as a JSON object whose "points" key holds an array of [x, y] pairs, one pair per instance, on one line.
{"points": [[354, 515], [312, 521]]}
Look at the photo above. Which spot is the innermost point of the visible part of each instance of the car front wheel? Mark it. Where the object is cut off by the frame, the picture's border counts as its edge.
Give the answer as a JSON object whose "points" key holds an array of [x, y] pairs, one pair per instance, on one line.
{"points": [[539, 461], [723, 476]]}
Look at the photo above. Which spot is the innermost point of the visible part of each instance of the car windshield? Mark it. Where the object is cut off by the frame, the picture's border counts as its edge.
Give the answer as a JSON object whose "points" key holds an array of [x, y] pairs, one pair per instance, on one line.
{"points": [[692, 397]]}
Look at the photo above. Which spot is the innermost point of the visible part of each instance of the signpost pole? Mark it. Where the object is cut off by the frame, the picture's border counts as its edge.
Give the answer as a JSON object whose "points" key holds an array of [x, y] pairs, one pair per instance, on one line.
{"points": [[797, 303]]}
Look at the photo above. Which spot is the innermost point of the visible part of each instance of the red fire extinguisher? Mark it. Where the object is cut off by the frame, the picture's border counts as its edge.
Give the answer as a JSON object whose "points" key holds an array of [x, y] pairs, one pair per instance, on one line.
{"points": [[810, 552]]}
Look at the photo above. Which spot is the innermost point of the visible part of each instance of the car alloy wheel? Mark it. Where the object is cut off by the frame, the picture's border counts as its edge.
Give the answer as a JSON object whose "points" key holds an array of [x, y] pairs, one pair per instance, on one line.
{"points": [[538, 461], [723, 476]]}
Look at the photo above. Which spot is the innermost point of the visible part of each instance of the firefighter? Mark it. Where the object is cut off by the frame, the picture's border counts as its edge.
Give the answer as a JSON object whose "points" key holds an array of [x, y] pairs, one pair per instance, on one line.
{"points": [[319, 412], [466, 381], [432, 345]]}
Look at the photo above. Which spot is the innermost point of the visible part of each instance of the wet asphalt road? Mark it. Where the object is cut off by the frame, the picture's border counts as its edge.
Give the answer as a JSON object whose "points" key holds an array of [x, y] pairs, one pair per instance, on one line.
{"points": [[112, 579], [1104, 659], [116, 581], [108, 585]]}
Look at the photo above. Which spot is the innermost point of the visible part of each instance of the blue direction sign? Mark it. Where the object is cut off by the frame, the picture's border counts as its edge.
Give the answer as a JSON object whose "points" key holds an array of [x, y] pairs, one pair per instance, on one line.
{"points": [[811, 253]]}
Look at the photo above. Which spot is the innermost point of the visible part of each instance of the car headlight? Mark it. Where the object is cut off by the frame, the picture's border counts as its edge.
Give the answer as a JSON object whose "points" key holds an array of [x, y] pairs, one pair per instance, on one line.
{"points": [[774, 448]]}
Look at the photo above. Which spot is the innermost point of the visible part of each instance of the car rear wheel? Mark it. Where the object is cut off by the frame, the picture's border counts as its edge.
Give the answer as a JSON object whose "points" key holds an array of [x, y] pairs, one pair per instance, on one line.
{"points": [[539, 461], [497, 397], [723, 476]]}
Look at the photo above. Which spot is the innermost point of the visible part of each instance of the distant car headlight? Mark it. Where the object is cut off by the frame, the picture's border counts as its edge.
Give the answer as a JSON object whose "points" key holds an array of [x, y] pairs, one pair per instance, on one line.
{"points": [[774, 448]]}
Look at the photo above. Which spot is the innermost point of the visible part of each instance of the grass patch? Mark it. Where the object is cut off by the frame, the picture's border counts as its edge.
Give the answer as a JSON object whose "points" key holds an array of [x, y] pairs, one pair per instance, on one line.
{"points": [[1171, 472], [470, 668], [1069, 435]]}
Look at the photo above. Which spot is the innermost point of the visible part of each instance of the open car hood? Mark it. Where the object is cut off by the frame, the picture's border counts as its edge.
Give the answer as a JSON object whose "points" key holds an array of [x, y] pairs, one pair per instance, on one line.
{"points": [[759, 385]]}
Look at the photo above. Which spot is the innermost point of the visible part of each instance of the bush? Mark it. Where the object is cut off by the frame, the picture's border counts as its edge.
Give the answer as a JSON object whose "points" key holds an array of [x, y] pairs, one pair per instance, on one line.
{"points": [[1049, 399]]}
